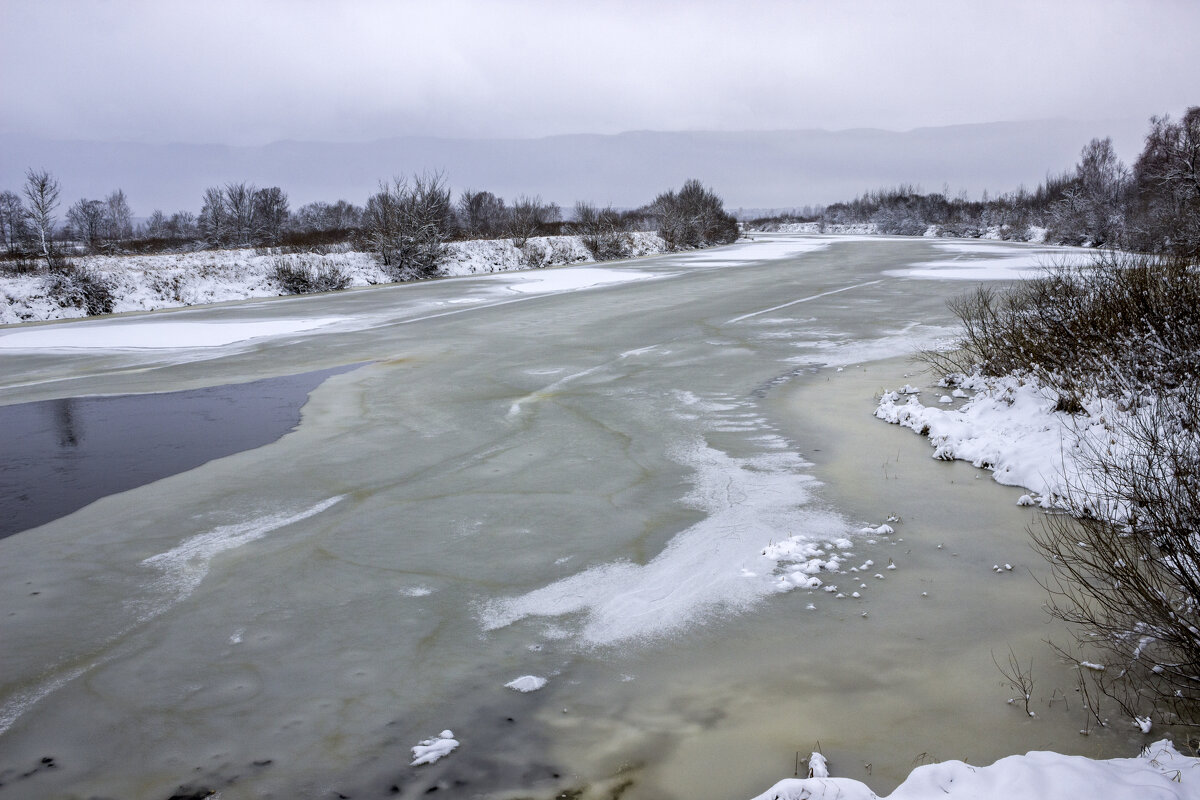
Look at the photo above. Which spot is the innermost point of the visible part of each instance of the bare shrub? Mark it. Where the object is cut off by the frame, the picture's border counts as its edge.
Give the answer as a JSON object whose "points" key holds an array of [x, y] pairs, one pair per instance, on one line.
{"points": [[76, 287], [308, 275], [1126, 561], [407, 224], [602, 232], [1123, 324], [693, 217], [530, 217]]}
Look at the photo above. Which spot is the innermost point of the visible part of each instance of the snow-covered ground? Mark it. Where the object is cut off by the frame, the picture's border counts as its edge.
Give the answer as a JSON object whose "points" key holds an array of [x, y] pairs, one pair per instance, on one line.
{"points": [[1008, 425], [171, 280], [1032, 234], [1158, 773]]}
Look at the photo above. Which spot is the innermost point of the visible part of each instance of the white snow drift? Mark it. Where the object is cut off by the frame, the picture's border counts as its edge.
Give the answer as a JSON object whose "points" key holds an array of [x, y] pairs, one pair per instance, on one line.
{"points": [[1159, 773]]}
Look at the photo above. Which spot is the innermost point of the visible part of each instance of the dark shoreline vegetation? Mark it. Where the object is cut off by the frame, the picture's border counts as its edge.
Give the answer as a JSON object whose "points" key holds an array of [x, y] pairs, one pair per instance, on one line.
{"points": [[1152, 207], [1124, 549]]}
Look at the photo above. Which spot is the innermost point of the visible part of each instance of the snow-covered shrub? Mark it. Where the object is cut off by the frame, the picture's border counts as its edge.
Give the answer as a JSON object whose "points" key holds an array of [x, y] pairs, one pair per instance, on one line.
{"points": [[1123, 325], [693, 217], [308, 275], [75, 287], [407, 224], [602, 232]]}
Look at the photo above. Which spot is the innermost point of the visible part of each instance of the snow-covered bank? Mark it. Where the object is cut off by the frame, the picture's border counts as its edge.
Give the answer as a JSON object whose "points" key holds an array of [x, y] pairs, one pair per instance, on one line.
{"points": [[172, 280], [1159, 773], [1032, 234], [1009, 426]]}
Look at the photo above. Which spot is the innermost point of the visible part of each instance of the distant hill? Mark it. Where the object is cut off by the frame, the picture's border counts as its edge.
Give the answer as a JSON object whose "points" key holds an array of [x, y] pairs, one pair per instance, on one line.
{"points": [[772, 169]]}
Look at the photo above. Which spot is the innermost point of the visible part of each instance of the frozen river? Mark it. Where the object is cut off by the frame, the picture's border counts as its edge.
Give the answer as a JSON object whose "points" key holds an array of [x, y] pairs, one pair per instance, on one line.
{"points": [[620, 479]]}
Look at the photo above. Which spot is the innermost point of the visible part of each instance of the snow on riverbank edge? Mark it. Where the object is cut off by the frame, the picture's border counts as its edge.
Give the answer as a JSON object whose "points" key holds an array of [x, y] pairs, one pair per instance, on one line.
{"points": [[1010, 427], [1159, 772], [1032, 234], [174, 280]]}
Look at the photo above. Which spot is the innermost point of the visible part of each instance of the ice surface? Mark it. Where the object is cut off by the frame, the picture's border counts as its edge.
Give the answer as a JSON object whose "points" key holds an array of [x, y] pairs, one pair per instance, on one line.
{"points": [[182, 568], [756, 522], [153, 334]]}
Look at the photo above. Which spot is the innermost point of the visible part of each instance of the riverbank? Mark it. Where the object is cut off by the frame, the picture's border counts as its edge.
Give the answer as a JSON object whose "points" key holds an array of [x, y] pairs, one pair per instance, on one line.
{"points": [[174, 280]]}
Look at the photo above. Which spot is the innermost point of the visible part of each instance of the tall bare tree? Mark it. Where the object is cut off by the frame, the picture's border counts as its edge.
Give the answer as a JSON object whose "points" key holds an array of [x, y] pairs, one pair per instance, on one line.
{"points": [[12, 221], [529, 216], [214, 218], [118, 218], [87, 219], [270, 214], [239, 207], [41, 201]]}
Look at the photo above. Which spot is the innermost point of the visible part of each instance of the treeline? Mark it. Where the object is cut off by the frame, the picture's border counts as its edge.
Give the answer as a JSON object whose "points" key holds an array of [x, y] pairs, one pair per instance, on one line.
{"points": [[407, 223], [1152, 207]]}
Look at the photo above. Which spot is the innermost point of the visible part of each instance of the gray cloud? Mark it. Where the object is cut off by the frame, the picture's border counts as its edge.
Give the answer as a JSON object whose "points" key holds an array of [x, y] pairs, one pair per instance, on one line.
{"points": [[255, 72]]}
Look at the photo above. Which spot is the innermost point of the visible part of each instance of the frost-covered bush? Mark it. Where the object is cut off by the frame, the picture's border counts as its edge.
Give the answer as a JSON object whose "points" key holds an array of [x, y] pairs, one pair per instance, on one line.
{"points": [[693, 217], [602, 232], [1123, 325], [74, 287], [407, 224], [306, 275]]}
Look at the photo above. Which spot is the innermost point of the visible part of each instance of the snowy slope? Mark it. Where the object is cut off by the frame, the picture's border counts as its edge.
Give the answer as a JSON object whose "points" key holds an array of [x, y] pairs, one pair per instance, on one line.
{"points": [[171, 280]]}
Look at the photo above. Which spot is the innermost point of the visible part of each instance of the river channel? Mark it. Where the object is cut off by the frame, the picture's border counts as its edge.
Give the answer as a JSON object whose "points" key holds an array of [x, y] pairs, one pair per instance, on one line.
{"points": [[591, 475]]}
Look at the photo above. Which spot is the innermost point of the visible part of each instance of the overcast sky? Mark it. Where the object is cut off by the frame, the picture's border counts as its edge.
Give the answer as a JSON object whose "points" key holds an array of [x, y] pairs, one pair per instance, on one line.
{"points": [[257, 71]]}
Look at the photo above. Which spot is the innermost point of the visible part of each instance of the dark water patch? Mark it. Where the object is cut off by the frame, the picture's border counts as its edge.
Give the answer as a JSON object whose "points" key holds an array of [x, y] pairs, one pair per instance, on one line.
{"points": [[56, 456]]}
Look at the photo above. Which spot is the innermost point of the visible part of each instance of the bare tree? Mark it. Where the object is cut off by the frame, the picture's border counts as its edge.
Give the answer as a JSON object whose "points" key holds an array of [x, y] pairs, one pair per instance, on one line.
{"points": [[528, 217], [41, 200], [156, 225], [87, 219], [693, 217], [12, 221], [408, 225], [270, 214], [481, 214], [118, 219], [1167, 181], [1091, 209], [214, 218], [239, 207], [183, 225]]}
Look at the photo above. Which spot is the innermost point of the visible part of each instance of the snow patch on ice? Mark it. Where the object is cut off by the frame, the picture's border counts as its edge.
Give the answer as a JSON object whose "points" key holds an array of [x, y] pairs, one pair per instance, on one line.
{"points": [[973, 261], [526, 683], [153, 334], [758, 537], [434, 748], [565, 280], [182, 568]]}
